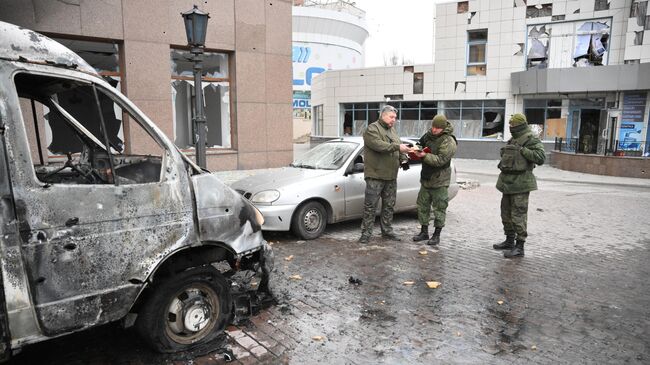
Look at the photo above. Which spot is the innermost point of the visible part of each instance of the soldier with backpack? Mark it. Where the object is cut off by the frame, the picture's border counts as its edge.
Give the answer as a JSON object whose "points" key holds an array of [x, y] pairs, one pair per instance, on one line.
{"points": [[516, 180]]}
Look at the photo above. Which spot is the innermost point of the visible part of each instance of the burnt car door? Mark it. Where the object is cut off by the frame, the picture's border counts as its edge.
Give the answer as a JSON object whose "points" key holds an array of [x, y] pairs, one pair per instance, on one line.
{"points": [[95, 217]]}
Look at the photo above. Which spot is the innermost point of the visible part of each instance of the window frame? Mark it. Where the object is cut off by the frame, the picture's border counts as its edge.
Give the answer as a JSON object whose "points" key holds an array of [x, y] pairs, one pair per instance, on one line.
{"points": [[469, 45], [204, 80]]}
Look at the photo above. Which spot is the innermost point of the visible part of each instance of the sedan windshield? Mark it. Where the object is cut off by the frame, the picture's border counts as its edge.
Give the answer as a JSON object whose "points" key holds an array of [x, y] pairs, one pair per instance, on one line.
{"points": [[326, 156]]}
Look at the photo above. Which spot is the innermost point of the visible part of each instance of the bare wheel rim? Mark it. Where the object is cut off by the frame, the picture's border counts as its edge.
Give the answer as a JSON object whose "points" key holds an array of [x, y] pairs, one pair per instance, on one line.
{"points": [[312, 220], [192, 313]]}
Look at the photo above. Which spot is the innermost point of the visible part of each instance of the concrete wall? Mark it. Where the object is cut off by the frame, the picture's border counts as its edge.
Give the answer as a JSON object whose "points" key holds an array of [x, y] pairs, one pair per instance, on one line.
{"points": [[255, 33], [602, 165]]}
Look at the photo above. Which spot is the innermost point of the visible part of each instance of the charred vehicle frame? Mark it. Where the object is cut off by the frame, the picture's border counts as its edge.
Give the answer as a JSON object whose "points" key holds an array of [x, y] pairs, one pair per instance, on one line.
{"points": [[96, 230]]}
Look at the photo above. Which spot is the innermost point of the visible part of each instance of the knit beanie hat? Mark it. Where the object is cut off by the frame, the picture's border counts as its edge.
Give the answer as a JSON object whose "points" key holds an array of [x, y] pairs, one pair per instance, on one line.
{"points": [[439, 121], [517, 120]]}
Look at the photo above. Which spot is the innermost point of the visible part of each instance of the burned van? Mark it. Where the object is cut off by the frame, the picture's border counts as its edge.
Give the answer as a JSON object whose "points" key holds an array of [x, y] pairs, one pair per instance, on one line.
{"points": [[103, 218]]}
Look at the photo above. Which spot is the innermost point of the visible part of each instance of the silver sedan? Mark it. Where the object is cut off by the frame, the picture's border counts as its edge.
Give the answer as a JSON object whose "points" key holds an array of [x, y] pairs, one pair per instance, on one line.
{"points": [[325, 185]]}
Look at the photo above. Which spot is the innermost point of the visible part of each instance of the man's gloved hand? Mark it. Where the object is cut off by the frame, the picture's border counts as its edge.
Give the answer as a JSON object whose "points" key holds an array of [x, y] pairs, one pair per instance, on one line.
{"points": [[405, 165]]}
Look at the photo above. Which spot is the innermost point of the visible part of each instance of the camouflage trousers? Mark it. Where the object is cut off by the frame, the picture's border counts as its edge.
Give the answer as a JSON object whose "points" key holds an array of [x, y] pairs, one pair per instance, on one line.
{"points": [[514, 215], [387, 191], [436, 198]]}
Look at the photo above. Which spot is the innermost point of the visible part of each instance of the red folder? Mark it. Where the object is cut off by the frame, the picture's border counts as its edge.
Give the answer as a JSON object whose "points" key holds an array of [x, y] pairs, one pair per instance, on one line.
{"points": [[413, 157]]}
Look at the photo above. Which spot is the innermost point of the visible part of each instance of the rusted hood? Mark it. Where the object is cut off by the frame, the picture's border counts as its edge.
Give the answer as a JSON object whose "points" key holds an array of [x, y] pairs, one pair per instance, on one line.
{"points": [[225, 216]]}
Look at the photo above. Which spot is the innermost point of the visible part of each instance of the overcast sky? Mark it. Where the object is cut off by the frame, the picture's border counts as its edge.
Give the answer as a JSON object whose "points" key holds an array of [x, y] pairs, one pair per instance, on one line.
{"points": [[404, 27]]}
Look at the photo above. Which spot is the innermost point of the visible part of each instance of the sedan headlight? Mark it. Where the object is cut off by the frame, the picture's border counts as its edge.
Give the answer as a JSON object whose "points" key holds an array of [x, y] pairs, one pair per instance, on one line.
{"points": [[266, 196]]}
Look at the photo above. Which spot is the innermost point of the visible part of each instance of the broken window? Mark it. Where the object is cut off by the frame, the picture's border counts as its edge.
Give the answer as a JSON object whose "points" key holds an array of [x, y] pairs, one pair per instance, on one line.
{"points": [[476, 49], [638, 38], [639, 10], [591, 44], [475, 118], [418, 83], [462, 7], [601, 5], [545, 118], [539, 37], [81, 134], [539, 10], [216, 97], [357, 116]]}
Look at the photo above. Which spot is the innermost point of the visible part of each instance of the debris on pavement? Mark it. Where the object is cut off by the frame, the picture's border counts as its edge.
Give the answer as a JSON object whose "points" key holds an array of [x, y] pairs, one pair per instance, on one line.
{"points": [[409, 282], [318, 338], [295, 277], [433, 284], [423, 252], [288, 258], [499, 302], [355, 281]]}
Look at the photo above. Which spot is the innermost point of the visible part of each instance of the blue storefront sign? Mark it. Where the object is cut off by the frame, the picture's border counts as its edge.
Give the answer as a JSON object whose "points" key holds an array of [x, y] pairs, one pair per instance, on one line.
{"points": [[630, 134]]}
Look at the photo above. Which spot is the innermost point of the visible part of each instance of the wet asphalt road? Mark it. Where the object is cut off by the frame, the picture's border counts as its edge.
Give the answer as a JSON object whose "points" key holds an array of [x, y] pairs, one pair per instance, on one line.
{"points": [[579, 296]]}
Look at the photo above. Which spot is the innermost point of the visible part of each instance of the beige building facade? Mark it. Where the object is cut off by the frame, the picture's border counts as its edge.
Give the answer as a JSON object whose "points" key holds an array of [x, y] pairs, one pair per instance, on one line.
{"points": [[578, 69], [141, 48]]}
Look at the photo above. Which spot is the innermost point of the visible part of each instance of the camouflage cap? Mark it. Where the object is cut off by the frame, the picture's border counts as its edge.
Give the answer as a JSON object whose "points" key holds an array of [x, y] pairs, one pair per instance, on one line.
{"points": [[517, 119], [439, 121]]}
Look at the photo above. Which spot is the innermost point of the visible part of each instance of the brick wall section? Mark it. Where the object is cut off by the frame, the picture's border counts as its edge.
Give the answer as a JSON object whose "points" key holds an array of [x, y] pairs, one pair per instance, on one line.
{"points": [[602, 165]]}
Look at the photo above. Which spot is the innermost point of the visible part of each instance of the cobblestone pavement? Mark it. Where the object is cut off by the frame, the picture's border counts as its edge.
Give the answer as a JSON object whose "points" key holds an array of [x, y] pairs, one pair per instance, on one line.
{"points": [[579, 296]]}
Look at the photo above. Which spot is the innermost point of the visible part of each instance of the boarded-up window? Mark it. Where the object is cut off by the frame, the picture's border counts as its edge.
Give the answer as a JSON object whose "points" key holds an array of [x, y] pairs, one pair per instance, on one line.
{"points": [[476, 52]]}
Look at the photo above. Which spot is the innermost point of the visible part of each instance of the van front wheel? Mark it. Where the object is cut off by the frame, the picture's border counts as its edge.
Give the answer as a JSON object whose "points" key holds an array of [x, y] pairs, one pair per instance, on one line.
{"points": [[185, 310]]}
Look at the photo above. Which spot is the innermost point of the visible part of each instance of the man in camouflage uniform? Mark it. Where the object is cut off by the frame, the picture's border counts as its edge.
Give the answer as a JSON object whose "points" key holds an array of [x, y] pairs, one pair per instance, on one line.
{"points": [[435, 177], [517, 183], [383, 155]]}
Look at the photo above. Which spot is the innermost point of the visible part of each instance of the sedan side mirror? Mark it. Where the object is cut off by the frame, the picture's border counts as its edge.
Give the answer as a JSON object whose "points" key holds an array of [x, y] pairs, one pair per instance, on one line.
{"points": [[358, 167]]}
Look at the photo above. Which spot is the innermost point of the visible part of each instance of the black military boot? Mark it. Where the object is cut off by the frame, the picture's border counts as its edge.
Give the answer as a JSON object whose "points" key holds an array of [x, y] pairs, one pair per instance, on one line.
{"points": [[423, 236], [435, 237], [518, 251], [508, 244]]}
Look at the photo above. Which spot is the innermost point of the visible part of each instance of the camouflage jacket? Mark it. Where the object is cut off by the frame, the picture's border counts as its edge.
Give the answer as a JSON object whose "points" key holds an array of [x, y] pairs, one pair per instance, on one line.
{"points": [[436, 166], [533, 150]]}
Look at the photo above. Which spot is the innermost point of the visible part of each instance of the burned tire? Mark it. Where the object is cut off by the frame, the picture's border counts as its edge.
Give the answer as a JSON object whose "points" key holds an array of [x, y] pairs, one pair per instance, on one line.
{"points": [[185, 310], [309, 221]]}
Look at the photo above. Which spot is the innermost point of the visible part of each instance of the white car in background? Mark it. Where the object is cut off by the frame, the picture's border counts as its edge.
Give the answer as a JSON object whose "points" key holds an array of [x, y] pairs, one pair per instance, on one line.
{"points": [[325, 185]]}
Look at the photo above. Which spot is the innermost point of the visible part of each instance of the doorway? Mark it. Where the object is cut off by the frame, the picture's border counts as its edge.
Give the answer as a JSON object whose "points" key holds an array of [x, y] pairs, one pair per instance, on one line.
{"points": [[588, 135]]}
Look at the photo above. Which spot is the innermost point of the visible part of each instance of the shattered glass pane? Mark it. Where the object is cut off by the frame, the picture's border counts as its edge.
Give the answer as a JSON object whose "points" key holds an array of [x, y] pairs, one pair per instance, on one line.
{"points": [[591, 44], [638, 38], [539, 10], [641, 12], [327, 156], [215, 65], [492, 123]]}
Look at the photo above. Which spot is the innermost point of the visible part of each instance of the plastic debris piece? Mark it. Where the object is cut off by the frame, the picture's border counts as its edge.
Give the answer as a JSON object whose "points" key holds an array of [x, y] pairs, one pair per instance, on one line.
{"points": [[295, 277], [533, 347], [318, 338], [288, 258], [499, 302], [423, 252], [433, 284], [409, 282]]}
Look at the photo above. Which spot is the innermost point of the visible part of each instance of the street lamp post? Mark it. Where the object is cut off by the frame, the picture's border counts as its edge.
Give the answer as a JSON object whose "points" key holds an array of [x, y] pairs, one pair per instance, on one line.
{"points": [[196, 24]]}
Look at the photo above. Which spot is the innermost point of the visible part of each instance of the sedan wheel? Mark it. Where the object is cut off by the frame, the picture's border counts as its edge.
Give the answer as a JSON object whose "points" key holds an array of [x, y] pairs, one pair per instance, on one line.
{"points": [[309, 221]]}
